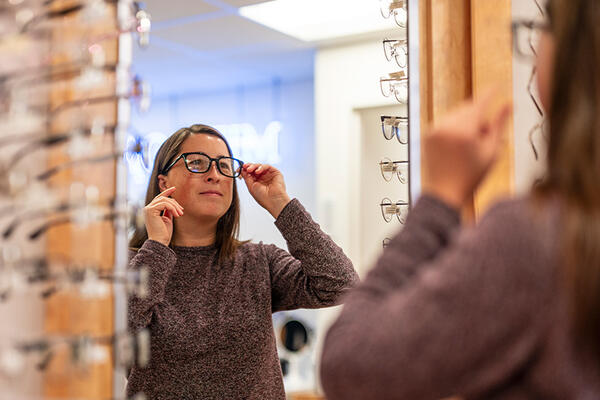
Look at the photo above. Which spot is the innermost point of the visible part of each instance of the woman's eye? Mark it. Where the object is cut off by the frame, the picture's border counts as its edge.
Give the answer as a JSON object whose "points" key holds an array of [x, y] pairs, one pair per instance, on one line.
{"points": [[198, 164]]}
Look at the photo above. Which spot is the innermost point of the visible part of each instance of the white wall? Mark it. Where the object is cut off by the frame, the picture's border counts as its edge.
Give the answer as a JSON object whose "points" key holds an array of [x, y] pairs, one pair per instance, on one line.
{"points": [[346, 84], [525, 114]]}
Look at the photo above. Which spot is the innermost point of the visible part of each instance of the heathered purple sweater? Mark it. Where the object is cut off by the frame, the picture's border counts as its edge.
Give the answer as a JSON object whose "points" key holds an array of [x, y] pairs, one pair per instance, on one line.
{"points": [[478, 313], [211, 328]]}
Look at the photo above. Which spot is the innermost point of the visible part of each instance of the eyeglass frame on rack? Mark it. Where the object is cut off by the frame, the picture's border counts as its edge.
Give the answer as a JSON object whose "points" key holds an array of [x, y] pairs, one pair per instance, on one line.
{"points": [[396, 209], [517, 27], [143, 28], [88, 48], [392, 8], [136, 347], [112, 216], [395, 78], [393, 53], [394, 168], [386, 242], [394, 122], [36, 271]]}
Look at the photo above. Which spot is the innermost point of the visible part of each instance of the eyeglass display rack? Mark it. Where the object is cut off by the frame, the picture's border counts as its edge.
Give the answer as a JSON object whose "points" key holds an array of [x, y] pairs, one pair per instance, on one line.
{"points": [[403, 85], [65, 96]]}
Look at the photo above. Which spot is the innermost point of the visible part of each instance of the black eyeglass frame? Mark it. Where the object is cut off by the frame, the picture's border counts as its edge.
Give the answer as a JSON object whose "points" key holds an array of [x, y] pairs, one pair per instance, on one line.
{"points": [[394, 123], [184, 156]]}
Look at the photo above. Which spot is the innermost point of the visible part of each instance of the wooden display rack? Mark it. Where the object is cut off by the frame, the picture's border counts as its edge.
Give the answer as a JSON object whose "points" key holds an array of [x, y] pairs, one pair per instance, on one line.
{"points": [[465, 48], [67, 313]]}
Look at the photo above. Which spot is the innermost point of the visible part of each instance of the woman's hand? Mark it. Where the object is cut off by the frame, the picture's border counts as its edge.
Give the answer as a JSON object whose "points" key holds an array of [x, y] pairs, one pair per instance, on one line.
{"points": [[265, 183], [460, 149], [159, 215]]}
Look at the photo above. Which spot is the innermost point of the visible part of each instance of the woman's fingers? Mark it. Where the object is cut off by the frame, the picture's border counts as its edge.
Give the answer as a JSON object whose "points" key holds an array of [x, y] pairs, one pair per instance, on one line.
{"points": [[251, 168], [492, 110], [165, 205], [166, 192], [168, 200], [257, 169], [161, 208], [168, 215], [498, 127], [175, 203], [502, 118], [164, 196]]}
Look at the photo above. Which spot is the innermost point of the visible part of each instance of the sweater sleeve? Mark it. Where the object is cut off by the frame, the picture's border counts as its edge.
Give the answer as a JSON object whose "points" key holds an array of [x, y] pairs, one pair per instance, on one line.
{"points": [[442, 314], [160, 261], [315, 272]]}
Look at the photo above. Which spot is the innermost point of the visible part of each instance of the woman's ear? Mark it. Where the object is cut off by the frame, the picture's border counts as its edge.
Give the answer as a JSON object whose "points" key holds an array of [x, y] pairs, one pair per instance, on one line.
{"points": [[162, 183]]}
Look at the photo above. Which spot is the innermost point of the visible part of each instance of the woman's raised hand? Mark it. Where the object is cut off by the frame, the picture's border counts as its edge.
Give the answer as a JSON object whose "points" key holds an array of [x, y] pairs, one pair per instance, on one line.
{"points": [[460, 149], [265, 183], [159, 215]]}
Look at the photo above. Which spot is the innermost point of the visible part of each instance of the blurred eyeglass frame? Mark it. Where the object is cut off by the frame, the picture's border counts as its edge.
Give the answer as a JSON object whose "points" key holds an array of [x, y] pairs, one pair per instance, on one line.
{"points": [[399, 209], [394, 126], [396, 49], [524, 32], [390, 168], [397, 84], [397, 8]]}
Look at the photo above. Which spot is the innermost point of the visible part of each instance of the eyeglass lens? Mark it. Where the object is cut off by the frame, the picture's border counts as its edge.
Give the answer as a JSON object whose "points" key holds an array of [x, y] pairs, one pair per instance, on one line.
{"points": [[389, 209], [396, 49], [395, 127], [200, 163], [527, 39]]}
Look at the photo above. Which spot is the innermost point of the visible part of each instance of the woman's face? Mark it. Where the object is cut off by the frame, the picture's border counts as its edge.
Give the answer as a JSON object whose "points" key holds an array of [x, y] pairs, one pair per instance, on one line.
{"points": [[545, 65], [206, 195]]}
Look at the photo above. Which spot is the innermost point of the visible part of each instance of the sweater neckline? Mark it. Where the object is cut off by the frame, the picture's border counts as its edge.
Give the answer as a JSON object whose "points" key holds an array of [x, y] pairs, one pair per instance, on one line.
{"points": [[193, 249]]}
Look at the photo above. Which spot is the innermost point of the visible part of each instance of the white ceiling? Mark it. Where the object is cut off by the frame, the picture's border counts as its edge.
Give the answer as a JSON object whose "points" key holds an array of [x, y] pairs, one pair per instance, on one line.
{"points": [[205, 46]]}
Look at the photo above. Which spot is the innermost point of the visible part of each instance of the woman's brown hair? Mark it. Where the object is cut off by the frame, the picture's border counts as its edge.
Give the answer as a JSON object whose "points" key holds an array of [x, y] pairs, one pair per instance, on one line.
{"points": [[228, 226], [573, 169]]}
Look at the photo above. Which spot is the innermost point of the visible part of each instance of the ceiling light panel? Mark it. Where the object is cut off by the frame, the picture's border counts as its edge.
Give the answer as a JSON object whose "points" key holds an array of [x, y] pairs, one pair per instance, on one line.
{"points": [[319, 20]]}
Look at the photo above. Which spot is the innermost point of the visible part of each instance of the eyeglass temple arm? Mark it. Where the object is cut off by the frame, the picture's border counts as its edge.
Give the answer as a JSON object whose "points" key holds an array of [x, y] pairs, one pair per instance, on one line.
{"points": [[62, 207], [67, 220], [53, 171], [94, 100], [56, 13], [45, 142], [49, 15]]}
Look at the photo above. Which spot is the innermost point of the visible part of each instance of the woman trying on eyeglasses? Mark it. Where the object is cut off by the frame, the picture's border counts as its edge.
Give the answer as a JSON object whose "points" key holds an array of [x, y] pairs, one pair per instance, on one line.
{"points": [[211, 295]]}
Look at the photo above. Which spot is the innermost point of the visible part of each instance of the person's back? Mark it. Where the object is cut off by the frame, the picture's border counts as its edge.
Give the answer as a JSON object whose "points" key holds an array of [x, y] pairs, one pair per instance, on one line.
{"points": [[509, 309], [487, 320]]}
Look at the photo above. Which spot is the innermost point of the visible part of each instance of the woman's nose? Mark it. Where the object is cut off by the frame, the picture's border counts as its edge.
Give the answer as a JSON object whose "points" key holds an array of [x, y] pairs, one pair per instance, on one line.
{"points": [[213, 173]]}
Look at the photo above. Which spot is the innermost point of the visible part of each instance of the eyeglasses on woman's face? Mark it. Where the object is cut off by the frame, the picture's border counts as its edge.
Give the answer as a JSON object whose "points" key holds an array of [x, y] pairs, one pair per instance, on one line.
{"points": [[200, 163]]}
